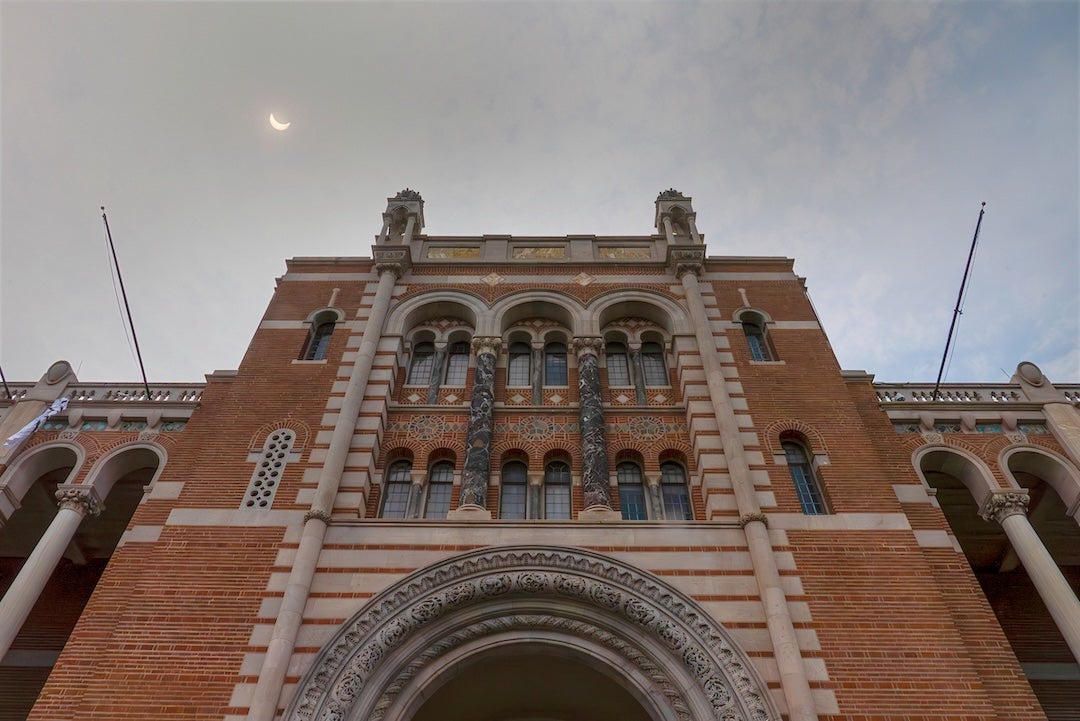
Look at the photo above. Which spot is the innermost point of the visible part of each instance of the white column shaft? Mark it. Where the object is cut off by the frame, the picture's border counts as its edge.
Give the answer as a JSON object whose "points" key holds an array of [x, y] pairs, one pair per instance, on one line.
{"points": [[291, 615], [28, 585], [1051, 585], [793, 679]]}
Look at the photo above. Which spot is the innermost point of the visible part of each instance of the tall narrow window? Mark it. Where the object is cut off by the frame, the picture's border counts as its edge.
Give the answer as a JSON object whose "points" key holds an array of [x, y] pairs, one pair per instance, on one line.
{"points": [[802, 473], [557, 491], [396, 490], [555, 364], [618, 366], [519, 369], [318, 340], [754, 330], [631, 492], [457, 364], [423, 359], [652, 358], [675, 493], [439, 486], [513, 491]]}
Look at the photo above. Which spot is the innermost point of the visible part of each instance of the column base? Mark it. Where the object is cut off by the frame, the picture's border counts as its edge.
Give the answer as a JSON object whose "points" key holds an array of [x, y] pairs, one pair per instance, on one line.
{"points": [[599, 514], [469, 513]]}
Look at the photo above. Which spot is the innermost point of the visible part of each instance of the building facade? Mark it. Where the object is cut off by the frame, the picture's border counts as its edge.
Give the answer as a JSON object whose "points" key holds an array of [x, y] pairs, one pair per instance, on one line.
{"points": [[538, 479]]}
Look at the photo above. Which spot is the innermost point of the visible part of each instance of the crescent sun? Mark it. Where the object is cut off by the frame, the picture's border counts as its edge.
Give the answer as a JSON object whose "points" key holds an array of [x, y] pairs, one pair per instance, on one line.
{"points": [[276, 125]]}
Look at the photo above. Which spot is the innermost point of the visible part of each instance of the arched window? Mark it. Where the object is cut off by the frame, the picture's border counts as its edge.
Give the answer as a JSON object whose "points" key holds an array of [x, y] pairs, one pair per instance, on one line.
{"points": [[555, 364], [618, 366], [423, 359], [440, 483], [513, 492], [457, 364], [802, 473], [519, 369], [396, 490], [675, 493], [631, 492], [652, 359], [318, 340], [753, 326], [557, 490]]}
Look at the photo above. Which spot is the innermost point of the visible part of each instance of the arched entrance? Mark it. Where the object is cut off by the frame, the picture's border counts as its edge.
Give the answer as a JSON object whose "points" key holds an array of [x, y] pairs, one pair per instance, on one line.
{"points": [[531, 633]]}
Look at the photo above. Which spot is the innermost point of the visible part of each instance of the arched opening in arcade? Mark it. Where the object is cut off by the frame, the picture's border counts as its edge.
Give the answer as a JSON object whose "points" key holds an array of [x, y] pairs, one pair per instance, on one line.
{"points": [[961, 490]]}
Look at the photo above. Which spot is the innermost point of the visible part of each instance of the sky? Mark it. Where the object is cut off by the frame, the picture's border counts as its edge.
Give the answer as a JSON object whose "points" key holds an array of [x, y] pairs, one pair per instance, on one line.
{"points": [[857, 138]]}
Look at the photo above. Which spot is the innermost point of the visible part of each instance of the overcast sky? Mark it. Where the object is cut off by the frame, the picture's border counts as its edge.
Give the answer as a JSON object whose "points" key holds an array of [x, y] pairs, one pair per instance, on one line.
{"points": [[858, 139]]}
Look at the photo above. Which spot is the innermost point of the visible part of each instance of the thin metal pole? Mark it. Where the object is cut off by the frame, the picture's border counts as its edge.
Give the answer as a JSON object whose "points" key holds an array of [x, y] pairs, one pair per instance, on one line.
{"points": [[959, 299], [127, 308], [6, 389]]}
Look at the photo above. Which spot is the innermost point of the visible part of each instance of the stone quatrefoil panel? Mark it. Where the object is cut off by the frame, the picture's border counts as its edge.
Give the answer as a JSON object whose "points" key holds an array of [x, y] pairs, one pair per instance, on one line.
{"points": [[625, 602]]}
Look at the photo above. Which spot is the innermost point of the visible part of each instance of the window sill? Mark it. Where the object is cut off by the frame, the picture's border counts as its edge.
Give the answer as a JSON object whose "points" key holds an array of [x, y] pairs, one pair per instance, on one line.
{"points": [[309, 362], [767, 363]]}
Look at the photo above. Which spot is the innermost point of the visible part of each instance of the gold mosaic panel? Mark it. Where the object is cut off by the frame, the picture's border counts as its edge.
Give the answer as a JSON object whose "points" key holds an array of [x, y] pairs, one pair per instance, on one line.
{"points": [[450, 252], [539, 252], [638, 253]]}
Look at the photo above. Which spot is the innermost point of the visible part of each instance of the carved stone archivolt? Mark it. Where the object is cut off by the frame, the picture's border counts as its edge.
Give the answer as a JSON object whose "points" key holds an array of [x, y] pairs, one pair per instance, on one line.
{"points": [[694, 668]]}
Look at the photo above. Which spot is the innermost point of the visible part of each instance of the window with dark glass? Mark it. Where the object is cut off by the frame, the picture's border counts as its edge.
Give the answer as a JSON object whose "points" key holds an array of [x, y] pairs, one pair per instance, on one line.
{"points": [[423, 359], [519, 368], [675, 494], [555, 364], [396, 491], [802, 473], [652, 359], [631, 492], [557, 491], [457, 364], [439, 486], [513, 491], [318, 341], [755, 340], [618, 365]]}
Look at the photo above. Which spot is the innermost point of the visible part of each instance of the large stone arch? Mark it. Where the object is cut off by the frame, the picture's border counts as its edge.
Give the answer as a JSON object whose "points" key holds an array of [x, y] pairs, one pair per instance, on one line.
{"points": [[560, 307], [416, 309], [665, 651], [32, 465], [663, 311], [1050, 467]]}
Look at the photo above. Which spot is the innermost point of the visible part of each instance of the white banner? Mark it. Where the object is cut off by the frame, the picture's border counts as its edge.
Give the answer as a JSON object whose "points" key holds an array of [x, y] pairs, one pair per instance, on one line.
{"points": [[57, 406]]}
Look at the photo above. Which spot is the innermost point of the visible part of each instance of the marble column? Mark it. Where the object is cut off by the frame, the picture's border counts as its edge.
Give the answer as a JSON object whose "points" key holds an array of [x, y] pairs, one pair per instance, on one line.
{"points": [[537, 374], [637, 374], [1010, 510], [75, 503], [477, 471], [656, 500], [437, 369], [594, 463]]}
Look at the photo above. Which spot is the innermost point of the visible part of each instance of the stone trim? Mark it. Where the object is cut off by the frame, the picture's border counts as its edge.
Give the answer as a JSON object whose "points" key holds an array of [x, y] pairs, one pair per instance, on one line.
{"points": [[534, 587]]}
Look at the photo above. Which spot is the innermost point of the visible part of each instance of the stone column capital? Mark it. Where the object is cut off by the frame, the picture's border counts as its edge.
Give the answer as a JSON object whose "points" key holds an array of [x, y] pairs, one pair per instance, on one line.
{"points": [[749, 518], [78, 499], [396, 268], [685, 260], [319, 514], [591, 345], [391, 260], [486, 344], [1002, 505]]}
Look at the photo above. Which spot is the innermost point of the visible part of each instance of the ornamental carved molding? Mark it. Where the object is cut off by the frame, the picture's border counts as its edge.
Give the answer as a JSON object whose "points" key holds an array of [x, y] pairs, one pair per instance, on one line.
{"points": [[317, 513], [77, 499], [1002, 505], [665, 635], [588, 346], [490, 345], [749, 518]]}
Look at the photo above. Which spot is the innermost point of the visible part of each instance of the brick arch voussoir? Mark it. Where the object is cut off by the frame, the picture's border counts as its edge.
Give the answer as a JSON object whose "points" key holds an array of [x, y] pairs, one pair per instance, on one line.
{"points": [[301, 429], [793, 425]]}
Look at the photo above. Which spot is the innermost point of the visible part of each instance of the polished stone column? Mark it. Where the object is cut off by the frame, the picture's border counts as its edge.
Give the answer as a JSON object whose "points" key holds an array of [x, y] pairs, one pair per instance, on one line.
{"points": [[1010, 510], [538, 374], [437, 369], [637, 374], [75, 503], [656, 500], [477, 471], [594, 463]]}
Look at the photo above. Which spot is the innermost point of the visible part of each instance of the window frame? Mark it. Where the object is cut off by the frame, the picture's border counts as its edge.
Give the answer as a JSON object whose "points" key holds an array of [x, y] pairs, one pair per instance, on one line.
{"points": [[521, 488], [441, 476], [805, 481], [669, 481], [397, 475], [617, 354], [636, 483], [556, 363], [423, 352], [515, 358], [654, 362], [458, 355], [562, 484]]}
